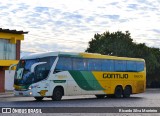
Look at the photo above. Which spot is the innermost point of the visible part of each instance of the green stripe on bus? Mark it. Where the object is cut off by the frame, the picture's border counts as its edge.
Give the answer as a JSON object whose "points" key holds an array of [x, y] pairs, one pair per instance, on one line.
{"points": [[80, 80], [86, 80], [92, 80]]}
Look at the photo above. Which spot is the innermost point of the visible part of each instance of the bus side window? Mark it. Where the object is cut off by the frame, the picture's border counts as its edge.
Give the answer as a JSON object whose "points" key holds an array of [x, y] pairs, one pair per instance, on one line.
{"points": [[131, 66], [64, 63], [120, 65], [108, 65], [140, 66], [79, 64], [94, 64]]}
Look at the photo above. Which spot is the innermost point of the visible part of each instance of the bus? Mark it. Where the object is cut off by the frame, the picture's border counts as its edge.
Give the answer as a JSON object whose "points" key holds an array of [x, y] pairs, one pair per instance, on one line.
{"points": [[57, 74]]}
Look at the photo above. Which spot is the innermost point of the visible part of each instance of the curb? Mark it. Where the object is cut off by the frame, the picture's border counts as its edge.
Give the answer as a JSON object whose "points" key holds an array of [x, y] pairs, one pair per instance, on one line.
{"points": [[7, 94], [4, 96]]}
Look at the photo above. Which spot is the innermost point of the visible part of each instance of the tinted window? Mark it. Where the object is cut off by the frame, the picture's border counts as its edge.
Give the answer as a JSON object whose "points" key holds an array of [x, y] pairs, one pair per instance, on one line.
{"points": [[23, 73], [7, 50], [42, 70], [94, 64], [79, 64], [131, 66], [29, 63], [120, 65], [107, 65], [49, 61], [140, 66], [64, 63]]}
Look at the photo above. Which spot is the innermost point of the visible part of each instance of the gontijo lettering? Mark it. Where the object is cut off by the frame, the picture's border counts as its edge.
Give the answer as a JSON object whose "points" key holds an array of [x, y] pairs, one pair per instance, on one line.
{"points": [[115, 76]]}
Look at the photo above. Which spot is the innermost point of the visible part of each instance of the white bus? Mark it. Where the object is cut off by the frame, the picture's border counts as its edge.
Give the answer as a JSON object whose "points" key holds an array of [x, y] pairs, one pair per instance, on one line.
{"points": [[57, 74]]}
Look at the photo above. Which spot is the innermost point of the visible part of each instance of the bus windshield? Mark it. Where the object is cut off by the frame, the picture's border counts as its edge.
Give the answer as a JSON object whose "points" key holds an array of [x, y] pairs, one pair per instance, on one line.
{"points": [[24, 76]]}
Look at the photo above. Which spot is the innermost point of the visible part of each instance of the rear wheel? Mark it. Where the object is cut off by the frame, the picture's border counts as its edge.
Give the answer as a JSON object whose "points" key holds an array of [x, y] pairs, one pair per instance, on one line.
{"points": [[127, 92], [39, 98], [57, 94], [118, 92], [100, 96]]}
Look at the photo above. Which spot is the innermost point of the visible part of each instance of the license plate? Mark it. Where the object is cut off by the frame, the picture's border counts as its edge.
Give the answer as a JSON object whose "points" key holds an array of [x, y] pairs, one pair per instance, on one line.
{"points": [[20, 93]]}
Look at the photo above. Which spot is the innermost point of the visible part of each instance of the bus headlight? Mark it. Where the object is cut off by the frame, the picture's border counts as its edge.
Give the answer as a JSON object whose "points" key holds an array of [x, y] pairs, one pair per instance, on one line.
{"points": [[30, 93]]}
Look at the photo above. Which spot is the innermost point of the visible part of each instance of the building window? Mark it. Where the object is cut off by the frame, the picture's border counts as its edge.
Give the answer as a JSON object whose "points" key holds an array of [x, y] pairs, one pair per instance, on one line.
{"points": [[7, 50]]}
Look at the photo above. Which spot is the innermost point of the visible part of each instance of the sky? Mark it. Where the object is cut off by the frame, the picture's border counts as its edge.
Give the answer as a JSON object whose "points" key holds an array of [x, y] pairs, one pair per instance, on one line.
{"points": [[68, 25]]}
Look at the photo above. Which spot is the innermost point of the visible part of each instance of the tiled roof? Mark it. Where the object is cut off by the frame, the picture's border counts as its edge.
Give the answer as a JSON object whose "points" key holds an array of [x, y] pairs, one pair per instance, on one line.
{"points": [[12, 31]]}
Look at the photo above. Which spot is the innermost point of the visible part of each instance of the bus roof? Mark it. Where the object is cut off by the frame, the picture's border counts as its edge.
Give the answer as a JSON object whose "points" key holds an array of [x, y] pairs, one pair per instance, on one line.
{"points": [[80, 55], [46, 54]]}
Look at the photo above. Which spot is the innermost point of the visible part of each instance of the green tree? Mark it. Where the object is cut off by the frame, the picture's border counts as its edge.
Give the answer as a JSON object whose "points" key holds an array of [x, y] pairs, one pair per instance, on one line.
{"points": [[110, 43]]}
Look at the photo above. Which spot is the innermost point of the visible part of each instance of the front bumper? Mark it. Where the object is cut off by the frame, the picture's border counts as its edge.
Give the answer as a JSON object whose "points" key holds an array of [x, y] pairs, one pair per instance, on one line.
{"points": [[27, 93]]}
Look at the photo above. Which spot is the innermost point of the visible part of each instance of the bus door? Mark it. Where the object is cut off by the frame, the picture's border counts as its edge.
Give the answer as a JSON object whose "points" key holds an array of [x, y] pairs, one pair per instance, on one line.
{"points": [[41, 73]]}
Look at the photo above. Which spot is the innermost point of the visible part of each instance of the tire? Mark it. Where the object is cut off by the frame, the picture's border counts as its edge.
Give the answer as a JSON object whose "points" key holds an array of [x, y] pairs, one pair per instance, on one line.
{"points": [[127, 92], [100, 96], [39, 98], [57, 94], [118, 92]]}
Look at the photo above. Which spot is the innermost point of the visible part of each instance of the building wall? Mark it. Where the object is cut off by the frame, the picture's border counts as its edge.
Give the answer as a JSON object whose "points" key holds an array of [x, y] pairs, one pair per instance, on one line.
{"points": [[9, 75], [9, 54], [6, 79], [9, 79]]}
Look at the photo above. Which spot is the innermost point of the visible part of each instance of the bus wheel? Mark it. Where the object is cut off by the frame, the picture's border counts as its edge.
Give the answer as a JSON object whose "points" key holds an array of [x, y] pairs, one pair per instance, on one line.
{"points": [[39, 98], [118, 92], [57, 94], [127, 92], [100, 96]]}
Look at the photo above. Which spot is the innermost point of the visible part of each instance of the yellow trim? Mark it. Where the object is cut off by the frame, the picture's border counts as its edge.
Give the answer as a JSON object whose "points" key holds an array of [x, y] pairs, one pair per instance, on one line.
{"points": [[13, 40], [93, 55], [8, 62], [12, 37]]}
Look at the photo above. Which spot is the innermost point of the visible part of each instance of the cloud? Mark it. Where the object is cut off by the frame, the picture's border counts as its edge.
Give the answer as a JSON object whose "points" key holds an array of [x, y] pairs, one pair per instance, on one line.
{"points": [[133, 6], [156, 31], [69, 25]]}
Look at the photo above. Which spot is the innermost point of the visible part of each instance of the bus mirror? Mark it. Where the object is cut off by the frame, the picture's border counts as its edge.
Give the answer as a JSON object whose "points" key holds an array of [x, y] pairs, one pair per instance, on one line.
{"points": [[36, 64], [11, 67]]}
